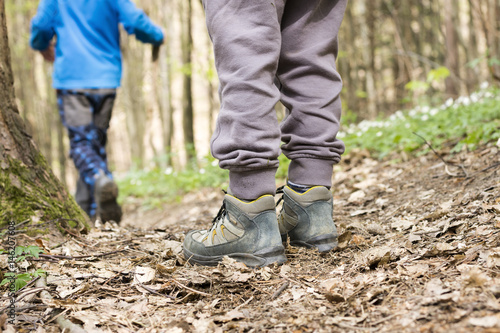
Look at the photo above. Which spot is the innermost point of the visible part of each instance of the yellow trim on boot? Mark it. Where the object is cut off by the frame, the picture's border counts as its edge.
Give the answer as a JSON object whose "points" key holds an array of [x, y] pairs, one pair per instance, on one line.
{"points": [[249, 202], [313, 187]]}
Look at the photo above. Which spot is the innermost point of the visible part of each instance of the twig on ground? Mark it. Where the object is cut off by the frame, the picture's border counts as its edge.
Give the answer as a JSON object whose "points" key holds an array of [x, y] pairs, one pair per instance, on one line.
{"points": [[190, 289], [446, 163], [280, 290], [154, 291], [28, 284], [15, 226], [64, 324], [245, 303], [29, 292], [485, 169], [55, 256]]}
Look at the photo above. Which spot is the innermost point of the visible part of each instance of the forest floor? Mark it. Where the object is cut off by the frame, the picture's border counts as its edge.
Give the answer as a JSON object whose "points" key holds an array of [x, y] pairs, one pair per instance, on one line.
{"points": [[419, 251]]}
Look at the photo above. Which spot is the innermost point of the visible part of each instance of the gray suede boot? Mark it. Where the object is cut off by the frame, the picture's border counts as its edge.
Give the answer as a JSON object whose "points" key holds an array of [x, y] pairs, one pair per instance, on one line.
{"points": [[82, 196], [106, 193], [245, 231], [307, 218]]}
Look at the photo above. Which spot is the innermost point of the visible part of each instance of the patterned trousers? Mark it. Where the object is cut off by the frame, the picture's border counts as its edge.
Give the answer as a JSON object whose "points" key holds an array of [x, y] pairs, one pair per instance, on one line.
{"points": [[86, 114]]}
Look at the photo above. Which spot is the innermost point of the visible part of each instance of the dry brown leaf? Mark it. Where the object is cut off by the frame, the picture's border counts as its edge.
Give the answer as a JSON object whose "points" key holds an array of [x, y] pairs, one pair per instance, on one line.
{"points": [[229, 316], [357, 197], [285, 269], [140, 307], [358, 240], [375, 229], [334, 297], [144, 274], [363, 212], [488, 321], [402, 224], [3, 319], [240, 277], [167, 267], [377, 256], [493, 259], [435, 287], [344, 239], [417, 269]]}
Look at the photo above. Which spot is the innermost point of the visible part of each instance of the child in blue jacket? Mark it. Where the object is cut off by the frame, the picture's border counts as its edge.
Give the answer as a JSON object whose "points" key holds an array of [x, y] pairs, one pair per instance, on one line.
{"points": [[87, 71]]}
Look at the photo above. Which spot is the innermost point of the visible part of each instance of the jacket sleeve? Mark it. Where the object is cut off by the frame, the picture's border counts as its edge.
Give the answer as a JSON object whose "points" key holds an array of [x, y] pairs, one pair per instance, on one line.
{"points": [[135, 21], [42, 25]]}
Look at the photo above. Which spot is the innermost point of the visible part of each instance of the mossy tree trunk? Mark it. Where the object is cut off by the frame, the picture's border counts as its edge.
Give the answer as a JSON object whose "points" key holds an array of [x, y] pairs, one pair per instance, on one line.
{"points": [[28, 187]]}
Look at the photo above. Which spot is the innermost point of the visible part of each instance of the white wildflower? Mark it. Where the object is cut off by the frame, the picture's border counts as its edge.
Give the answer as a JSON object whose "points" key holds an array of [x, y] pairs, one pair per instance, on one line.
{"points": [[474, 97], [433, 112], [407, 125], [484, 85], [202, 171], [169, 170], [214, 163], [425, 117], [449, 102], [379, 133]]}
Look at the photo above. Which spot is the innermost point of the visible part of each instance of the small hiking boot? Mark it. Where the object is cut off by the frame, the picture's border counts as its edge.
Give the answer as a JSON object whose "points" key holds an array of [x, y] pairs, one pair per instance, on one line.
{"points": [[307, 218], [82, 196], [106, 193], [245, 231]]}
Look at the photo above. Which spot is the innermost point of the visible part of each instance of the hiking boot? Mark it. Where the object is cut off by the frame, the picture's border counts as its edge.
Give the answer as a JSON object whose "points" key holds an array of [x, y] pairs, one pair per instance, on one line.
{"points": [[245, 231], [82, 196], [106, 192], [307, 218]]}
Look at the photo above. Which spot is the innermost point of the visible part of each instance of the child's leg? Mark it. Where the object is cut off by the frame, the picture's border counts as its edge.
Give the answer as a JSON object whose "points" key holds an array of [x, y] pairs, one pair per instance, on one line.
{"points": [[310, 89], [247, 40]]}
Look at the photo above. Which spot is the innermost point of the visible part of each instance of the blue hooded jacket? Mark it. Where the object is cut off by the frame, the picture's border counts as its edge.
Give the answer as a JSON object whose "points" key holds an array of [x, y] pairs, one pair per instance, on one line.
{"points": [[88, 39]]}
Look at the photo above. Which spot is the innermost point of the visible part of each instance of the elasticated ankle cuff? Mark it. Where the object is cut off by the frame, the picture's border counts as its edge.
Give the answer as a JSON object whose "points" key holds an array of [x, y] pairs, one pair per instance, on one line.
{"points": [[311, 172], [249, 185]]}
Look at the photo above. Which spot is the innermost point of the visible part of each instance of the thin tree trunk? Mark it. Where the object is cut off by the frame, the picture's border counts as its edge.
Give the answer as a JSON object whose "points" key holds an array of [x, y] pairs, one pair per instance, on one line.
{"points": [[165, 100], [187, 95], [452, 56], [27, 185]]}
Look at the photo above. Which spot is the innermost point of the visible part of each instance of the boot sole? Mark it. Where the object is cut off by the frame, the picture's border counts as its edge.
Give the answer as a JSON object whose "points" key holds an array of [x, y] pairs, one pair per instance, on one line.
{"points": [[107, 207], [260, 258], [323, 243]]}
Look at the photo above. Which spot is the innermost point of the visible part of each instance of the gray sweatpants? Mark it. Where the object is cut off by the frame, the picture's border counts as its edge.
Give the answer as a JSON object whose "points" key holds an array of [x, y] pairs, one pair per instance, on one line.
{"points": [[270, 50]]}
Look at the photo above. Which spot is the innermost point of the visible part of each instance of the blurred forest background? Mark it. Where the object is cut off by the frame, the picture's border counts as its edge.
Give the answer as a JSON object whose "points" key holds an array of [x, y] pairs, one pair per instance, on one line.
{"points": [[393, 55]]}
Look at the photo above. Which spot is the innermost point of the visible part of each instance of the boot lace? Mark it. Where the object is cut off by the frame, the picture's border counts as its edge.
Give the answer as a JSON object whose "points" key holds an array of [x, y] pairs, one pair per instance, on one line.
{"points": [[221, 215], [279, 190]]}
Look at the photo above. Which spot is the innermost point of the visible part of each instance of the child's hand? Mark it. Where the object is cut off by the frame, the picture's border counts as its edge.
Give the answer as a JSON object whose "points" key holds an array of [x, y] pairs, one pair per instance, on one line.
{"points": [[49, 54]]}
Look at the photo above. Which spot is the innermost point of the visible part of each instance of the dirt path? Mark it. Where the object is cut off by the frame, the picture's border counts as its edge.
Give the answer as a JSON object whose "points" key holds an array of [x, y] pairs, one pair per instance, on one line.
{"points": [[419, 252]]}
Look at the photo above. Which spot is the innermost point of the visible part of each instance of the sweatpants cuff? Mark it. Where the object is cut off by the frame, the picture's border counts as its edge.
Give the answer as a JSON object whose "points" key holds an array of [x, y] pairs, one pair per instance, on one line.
{"points": [[249, 185], [311, 172]]}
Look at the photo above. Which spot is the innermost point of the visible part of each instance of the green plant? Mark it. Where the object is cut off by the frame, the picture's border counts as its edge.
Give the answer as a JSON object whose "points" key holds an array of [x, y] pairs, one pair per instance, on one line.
{"points": [[419, 89], [22, 279], [21, 253], [158, 185], [464, 123]]}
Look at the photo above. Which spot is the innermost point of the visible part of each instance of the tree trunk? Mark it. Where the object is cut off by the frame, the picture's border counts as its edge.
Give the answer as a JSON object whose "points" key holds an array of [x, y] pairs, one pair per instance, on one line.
{"points": [[28, 188], [164, 94], [452, 61], [187, 93], [371, 98]]}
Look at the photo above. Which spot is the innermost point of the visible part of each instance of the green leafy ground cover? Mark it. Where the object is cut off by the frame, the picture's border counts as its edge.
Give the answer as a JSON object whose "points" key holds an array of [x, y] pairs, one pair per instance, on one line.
{"points": [[464, 123]]}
